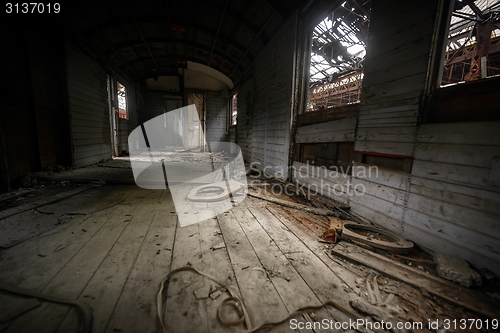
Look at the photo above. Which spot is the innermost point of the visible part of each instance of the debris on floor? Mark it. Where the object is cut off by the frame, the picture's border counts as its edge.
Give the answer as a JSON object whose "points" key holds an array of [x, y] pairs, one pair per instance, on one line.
{"points": [[457, 270], [202, 293], [332, 234], [376, 237], [215, 291], [272, 272], [218, 246], [435, 286], [369, 282]]}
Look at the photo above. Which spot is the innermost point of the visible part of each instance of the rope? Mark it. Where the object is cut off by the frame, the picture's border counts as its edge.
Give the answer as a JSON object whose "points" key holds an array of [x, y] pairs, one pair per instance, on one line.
{"points": [[245, 318], [86, 324]]}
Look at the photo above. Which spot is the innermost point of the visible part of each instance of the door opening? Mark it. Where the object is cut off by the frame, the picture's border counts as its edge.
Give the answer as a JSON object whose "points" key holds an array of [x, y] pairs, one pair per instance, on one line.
{"points": [[196, 139]]}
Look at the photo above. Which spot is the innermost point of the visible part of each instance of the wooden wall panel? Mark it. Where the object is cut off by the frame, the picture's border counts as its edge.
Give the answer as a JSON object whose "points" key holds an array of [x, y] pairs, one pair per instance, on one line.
{"points": [[264, 104], [216, 110], [396, 63], [380, 195], [450, 201], [232, 134], [89, 109], [451, 195], [333, 131], [330, 183], [154, 105]]}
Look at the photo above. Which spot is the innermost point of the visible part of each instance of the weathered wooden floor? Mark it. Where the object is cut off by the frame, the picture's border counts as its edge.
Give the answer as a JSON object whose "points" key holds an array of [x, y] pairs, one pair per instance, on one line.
{"points": [[115, 244]]}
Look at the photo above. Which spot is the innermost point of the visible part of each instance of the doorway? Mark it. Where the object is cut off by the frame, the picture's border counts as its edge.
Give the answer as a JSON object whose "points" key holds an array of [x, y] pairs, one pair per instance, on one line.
{"points": [[196, 138]]}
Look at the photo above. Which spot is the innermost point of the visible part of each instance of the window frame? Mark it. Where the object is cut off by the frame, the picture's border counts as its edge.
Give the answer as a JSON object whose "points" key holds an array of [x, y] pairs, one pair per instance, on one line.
{"points": [[459, 102], [233, 116], [124, 114]]}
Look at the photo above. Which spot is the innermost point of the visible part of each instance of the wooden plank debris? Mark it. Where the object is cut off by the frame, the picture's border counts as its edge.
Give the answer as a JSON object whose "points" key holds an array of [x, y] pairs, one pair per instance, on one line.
{"points": [[453, 293], [309, 209]]}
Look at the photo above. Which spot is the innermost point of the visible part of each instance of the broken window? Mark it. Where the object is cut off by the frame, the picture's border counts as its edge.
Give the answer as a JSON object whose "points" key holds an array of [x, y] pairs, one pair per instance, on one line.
{"points": [[337, 56], [473, 44], [122, 100], [234, 110]]}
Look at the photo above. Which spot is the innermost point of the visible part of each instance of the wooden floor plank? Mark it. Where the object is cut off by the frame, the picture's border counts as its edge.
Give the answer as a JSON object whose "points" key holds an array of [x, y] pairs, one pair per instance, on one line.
{"points": [[75, 275], [301, 232], [44, 201], [258, 293], [36, 256], [44, 319], [260, 249], [216, 263], [60, 252], [67, 281], [321, 279], [293, 290], [106, 285], [61, 277], [283, 275], [42, 258], [151, 267], [183, 312]]}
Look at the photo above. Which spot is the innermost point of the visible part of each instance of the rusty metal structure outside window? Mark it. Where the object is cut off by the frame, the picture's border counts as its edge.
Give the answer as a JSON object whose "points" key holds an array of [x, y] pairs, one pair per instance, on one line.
{"points": [[122, 101], [473, 46], [337, 56]]}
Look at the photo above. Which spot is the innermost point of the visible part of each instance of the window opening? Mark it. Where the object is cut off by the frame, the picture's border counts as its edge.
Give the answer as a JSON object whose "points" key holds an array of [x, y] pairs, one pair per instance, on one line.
{"points": [[234, 109], [122, 100], [338, 155], [385, 161], [338, 49], [473, 44]]}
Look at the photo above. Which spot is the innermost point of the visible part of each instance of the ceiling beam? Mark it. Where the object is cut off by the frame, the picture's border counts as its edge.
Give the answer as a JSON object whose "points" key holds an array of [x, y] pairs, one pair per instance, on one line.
{"points": [[253, 42], [192, 46], [138, 42], [249, 26], [93, 27], [166, 26], [171, 31], [217, 33], [146, 74], [142, 36]]}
